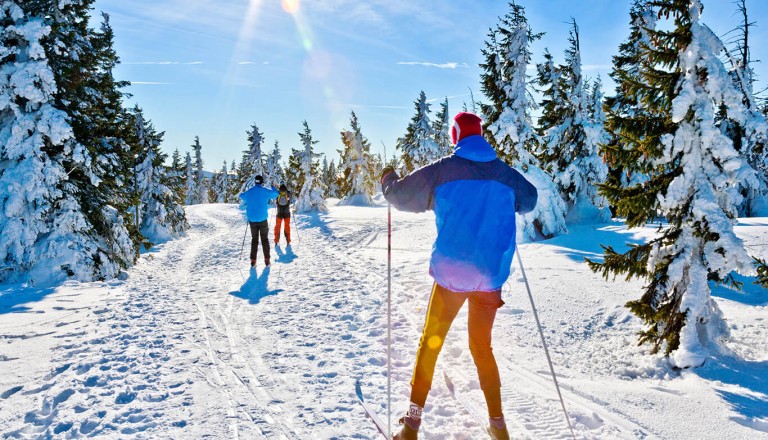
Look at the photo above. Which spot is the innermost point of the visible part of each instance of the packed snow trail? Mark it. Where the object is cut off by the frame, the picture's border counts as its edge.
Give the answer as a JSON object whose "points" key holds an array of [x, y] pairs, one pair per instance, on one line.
{"points": [[193, 344]]}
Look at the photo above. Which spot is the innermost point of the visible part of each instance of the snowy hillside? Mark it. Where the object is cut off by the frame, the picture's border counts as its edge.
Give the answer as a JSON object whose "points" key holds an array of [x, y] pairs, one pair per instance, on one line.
{"points": [[191, 344]]}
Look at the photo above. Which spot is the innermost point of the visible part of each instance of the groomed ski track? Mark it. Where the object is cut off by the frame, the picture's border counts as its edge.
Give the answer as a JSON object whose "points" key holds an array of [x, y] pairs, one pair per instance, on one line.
{"points": [[194, 345]]}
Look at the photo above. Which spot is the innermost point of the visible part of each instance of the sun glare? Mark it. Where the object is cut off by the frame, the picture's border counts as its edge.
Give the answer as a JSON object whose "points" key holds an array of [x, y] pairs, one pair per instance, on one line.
{"points": [[291, 6]]}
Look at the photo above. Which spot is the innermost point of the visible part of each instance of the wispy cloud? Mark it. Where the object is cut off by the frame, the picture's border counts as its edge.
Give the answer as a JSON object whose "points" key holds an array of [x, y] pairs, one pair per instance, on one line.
{"points": [[150, 83], [396, 107], [248, 63], [439, 66], [165, 63], [449, 97]]}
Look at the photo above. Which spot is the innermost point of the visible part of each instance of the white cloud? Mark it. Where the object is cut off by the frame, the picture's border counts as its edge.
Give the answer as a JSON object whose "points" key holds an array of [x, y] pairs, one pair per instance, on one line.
{"points": [[439, 66]]}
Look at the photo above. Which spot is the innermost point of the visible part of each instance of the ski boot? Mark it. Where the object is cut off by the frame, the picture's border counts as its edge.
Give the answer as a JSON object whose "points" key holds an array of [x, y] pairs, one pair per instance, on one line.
{"points": [[266, 261], [497, 428], [253, 262], [411, 423], [406, 432]]}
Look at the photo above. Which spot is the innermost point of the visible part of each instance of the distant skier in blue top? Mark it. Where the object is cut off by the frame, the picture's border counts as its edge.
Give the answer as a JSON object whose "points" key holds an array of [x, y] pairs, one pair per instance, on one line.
{"points": [[475, 197], [256, 202]]}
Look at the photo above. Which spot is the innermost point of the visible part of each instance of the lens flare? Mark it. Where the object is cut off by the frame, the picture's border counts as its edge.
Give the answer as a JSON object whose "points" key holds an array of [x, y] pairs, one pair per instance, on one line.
{"points": [[434, 342], [291, 6]]}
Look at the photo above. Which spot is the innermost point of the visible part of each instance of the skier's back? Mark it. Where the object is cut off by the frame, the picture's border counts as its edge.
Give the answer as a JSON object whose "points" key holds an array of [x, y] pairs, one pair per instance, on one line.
{"points": [[475, 197], [256, 202], [283, 203]]}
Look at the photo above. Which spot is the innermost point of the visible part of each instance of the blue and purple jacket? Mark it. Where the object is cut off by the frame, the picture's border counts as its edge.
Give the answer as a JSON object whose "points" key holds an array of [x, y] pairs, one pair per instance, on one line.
{"points": [[475, 196]]}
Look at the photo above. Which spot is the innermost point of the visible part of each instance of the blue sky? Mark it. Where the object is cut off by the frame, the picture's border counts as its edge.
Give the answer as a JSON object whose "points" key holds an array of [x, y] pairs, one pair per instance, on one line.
{"points": [[211, 69]]}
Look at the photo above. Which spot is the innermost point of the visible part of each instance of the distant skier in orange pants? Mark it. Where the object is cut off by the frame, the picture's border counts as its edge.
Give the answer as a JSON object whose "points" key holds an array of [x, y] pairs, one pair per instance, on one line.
{"points": [[283, 214]]}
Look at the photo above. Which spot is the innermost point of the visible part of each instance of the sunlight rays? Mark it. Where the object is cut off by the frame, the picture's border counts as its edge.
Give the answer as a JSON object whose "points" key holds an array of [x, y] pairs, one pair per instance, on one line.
{"points": [[242, 48], [332, 74]]}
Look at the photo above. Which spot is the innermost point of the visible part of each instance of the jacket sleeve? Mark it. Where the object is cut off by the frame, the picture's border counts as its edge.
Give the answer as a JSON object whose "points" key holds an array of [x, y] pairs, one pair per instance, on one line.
{"points": [[273, 193], [414, 192], [526, 194]]}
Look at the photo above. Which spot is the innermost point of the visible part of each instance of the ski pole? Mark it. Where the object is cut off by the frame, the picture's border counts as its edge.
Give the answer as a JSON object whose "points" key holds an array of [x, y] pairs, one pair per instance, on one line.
{"points": [[389, 320], [239, 258], [543, 341], [243, 246]]}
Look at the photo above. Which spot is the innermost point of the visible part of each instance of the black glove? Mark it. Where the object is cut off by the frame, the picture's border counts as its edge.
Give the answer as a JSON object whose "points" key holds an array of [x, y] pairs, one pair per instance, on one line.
{"points": [[386, 171]]}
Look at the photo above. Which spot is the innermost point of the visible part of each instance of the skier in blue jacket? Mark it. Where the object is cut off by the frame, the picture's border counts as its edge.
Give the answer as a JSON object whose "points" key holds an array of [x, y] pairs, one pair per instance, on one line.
{"points": [[475, 197], [256, 202]]}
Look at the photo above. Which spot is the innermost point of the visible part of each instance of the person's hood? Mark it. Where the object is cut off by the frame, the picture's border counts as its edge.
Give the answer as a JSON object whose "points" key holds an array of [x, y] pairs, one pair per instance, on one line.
{"points": [[475, 148]]}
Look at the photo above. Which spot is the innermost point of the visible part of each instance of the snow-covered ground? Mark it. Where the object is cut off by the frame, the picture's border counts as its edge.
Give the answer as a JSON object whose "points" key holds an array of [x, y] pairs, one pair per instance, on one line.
{"points": [[192, 344]]}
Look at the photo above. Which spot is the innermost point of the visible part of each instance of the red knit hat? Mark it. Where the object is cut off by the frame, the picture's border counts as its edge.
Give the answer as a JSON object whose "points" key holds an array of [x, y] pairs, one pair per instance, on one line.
{"points": [[465, 124]]}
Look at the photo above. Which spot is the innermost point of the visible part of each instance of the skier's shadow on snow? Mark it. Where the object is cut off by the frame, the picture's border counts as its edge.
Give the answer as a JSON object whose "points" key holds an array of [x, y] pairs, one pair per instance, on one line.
{"points": [[285, 256], [256, 287]]}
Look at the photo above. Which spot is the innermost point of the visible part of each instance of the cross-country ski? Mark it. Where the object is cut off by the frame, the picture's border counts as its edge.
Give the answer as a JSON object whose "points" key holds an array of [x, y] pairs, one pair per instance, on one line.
{"points": [[471, 410], [381, 427], [345, 220]]}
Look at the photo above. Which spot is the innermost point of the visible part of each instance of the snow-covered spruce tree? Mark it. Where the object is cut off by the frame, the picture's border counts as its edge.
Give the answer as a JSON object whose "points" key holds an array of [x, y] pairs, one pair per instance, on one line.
{"points": [[233, 188], [508, 117], [418, 147], [356, 167], [310, 197], [81, 61], [441, 127], [160, 211], [253, 159], [272, 167], [90, 95], [294, 179], [44, 235], [594, 206], [569, 138], [176, 176], [332, 179], [750, 131], [220, 186], [694, 178], [189, 180], [324, 176], [197, 193], [623, 104], [378, 167]]}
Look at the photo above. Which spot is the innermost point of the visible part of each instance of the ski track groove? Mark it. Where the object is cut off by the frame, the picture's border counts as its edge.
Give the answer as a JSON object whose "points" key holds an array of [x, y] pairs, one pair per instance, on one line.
{"points": [[232, 388]]}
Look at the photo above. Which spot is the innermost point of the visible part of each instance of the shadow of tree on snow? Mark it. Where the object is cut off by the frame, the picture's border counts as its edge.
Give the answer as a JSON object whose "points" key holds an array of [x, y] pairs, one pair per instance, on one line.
{"points": [[743, 385]]}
